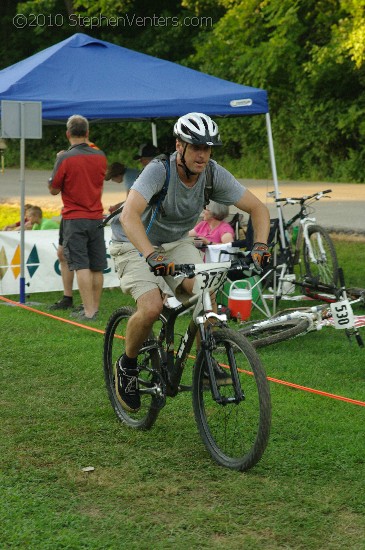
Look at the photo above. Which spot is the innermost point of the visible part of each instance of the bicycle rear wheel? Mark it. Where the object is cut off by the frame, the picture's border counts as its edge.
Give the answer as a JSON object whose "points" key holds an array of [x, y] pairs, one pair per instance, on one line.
{"points": [[148, 364], [325, 268], [274, 331], [235, 433]]}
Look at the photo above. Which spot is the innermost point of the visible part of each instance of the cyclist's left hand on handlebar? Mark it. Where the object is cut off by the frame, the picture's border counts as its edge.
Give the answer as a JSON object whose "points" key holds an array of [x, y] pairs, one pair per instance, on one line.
{"points": [[260, 256], [159, 264]]}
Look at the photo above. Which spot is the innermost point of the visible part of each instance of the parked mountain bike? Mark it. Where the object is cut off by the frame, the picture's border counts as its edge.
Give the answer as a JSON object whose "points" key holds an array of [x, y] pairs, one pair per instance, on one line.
{"points": [[230, 392], [293, 322], [301, 251]]}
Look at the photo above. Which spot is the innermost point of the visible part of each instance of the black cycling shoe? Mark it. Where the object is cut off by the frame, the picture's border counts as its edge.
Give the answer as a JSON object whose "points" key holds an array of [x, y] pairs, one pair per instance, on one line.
{"points": [[222, 376], [126, 387], [64, 303]]}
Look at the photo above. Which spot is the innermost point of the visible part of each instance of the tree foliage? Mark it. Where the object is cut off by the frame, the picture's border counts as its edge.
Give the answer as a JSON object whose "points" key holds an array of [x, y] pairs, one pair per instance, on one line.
{"points": [[308, 54]]}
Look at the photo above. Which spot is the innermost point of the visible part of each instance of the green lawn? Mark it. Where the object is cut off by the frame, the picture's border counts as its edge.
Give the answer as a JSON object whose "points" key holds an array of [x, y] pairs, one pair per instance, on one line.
{"points": [[159, 489]]}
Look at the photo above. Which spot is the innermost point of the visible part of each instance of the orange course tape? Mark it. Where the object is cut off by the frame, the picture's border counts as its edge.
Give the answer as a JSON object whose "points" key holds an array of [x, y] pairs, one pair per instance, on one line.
{"points": [[275, 380]]}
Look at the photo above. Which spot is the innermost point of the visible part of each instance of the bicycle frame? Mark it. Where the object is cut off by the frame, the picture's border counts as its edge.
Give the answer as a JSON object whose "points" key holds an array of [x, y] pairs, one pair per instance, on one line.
{"points": [[283, 225], [208, 278], [289, 255]]}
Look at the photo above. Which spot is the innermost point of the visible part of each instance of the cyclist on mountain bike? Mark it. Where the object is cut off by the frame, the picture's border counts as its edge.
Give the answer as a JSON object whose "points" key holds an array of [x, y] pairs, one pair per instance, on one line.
{"points": [[142, 259]]}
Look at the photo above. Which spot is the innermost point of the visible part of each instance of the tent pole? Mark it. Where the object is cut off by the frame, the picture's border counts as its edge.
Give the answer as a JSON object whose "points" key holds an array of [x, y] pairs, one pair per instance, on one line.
{"points": [[275, 178], [154, 133], [22, 202]]}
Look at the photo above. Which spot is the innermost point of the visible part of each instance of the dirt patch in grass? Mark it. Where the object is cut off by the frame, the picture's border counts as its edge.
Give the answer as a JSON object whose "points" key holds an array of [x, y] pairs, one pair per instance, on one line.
{"points": [[350, 236]]}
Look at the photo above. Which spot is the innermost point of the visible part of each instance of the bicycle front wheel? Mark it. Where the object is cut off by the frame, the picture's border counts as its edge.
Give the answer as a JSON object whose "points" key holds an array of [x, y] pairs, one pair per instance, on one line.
{"points": [[148, 364], [274, 331], [323, 268], [234, 432]]}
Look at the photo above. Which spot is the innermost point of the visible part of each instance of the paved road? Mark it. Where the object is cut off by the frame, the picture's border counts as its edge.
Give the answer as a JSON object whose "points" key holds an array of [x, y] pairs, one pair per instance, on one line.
{"points": [[344, 211]]}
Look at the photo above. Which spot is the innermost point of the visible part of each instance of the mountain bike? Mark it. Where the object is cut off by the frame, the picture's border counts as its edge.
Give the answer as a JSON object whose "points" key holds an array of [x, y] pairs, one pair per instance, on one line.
{"points": [[293, 322], [233, 411], [301, 251]]}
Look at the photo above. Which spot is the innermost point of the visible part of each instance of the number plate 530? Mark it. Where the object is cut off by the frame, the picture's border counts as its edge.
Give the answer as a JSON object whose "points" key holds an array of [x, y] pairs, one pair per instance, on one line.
{"points": [[343, 315]]}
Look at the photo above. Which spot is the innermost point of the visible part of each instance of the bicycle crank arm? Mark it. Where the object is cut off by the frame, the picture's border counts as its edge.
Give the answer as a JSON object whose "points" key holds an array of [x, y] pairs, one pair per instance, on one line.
{"points": [[157, 390]]}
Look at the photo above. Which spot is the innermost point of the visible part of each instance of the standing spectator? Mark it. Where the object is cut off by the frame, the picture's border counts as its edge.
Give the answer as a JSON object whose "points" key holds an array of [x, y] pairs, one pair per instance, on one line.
{"points": [[66, 302], [38, 222], [78, 175]]}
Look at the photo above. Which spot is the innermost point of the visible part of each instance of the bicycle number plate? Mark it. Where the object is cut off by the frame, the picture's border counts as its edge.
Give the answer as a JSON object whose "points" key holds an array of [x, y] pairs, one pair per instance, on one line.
{"points": [[343, 315], [209, 279]]}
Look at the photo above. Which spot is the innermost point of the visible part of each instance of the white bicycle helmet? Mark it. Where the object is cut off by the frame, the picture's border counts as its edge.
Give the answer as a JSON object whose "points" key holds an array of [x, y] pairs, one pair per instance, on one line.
{"points": [[197, 129]]}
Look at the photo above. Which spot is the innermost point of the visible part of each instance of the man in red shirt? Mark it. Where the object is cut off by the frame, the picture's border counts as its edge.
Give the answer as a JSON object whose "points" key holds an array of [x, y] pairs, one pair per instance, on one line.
{"points": [[78, 175]]}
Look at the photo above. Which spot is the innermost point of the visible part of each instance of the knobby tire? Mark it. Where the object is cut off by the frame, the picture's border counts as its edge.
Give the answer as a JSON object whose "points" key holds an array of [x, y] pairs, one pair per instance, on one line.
{"points": [[326, 270], [114, 347], [277, 330], [235, 434]]}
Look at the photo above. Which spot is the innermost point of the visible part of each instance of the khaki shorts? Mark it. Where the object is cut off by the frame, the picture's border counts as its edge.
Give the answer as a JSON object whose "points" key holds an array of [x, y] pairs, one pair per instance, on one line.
{"points": [[134, 273]]}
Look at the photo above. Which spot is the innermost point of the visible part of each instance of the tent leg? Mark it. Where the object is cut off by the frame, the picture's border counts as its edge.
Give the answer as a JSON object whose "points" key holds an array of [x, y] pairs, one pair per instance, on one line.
{"points": [[154, 133], [22, 211], [275, 178]]}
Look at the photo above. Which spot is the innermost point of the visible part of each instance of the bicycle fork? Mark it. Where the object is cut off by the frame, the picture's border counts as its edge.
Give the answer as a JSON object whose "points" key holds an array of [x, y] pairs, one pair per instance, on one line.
{"points": [[305, 225], [207, 346]]}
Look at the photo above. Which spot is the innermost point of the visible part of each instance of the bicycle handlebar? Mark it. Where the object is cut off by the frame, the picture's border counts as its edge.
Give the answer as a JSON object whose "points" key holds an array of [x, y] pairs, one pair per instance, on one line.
{"points": [[293, 200], [243, 263]]}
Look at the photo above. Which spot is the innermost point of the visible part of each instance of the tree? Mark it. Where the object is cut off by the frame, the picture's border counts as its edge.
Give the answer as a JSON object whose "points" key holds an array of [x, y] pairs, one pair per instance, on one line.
{"points": [[308, 55]]}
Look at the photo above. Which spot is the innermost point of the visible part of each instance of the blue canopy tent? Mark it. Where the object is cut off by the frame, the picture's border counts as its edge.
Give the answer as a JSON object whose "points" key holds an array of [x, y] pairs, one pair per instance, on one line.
{"points": [[106, 82], [103, 81]]}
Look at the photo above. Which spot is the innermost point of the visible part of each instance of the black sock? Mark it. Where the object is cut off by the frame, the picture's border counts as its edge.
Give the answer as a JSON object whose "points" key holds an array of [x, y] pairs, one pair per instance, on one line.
{"points": [[68, 298], [129, 362]]}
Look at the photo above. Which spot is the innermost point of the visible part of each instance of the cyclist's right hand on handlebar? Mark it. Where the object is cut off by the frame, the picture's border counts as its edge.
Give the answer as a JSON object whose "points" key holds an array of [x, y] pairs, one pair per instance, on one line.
{"points": [[159, 264], [260, 256]]}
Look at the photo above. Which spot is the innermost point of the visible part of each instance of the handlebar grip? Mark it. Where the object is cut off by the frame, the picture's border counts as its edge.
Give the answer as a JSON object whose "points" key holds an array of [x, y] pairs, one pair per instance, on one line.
{"points": [[327, 191], [242, 263], [240, 243], [187, 269]]}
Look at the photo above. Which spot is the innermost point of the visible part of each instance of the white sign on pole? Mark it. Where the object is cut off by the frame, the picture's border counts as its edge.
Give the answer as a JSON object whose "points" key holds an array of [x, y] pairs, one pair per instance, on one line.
{"points": [[21, 120], [11, 119]]}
